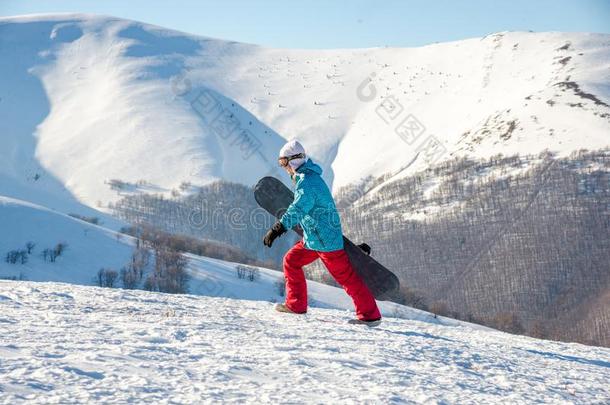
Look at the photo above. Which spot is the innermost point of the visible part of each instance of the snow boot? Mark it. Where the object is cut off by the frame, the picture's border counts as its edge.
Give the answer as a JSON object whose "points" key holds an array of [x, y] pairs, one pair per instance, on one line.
{"points": [[284, 308], [371, 324]]}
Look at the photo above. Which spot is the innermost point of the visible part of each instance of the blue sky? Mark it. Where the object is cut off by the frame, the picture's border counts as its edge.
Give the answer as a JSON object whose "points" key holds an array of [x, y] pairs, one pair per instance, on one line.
{"points": [[341, 24]]}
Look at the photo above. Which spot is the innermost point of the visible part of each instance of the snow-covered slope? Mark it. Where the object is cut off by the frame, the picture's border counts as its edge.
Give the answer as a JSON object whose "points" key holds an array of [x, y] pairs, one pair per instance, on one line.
{"points": [[71, 344], [86, 99], [95, 107], [89, 247]]}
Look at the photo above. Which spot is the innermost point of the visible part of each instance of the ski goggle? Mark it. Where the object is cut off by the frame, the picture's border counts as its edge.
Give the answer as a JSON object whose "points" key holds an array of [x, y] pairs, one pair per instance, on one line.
{"points": [[283, 161]]}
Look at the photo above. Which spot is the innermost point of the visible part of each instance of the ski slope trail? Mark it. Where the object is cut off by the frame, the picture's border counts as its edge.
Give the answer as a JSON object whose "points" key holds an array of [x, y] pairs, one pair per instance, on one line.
{"points": [[64, 343]]}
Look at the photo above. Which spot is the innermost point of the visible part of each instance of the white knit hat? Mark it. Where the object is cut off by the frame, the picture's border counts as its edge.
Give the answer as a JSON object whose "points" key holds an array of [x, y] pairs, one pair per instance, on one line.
{"points": [[292, 148]]}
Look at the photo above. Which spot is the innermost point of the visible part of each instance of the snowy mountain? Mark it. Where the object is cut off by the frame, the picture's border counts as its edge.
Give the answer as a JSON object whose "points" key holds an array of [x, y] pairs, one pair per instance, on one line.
{"points": [[94, 109], [108, 345], [92, 105]]}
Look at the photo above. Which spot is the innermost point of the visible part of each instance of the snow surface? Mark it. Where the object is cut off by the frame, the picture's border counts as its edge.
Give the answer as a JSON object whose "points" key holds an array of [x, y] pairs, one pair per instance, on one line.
{"points": [[85, 99], [71, 344]]}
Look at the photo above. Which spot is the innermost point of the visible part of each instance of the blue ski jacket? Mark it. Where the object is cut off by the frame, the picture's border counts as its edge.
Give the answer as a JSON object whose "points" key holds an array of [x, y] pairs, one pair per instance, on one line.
{"points": [[314, 209]]}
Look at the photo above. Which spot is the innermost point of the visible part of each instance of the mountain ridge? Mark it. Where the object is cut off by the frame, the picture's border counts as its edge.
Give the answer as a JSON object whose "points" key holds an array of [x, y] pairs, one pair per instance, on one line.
{"points": [[132, 101]]}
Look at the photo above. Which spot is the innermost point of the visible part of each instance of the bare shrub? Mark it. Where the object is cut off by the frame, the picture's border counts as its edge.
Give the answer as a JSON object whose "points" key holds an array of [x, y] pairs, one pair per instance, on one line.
{"points": [[91, 220], [280, 286], [241, 271], [439, 308], [253, 274], [247, 272], [410, 297], [183, 243], [29, 247], [106, 277], [53, 253], [508, 322], [129, 278], [169, 273], [17, 256]]}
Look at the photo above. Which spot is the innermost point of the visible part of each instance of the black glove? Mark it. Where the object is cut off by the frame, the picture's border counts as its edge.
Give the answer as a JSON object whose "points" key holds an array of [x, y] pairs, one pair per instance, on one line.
{"points": [[366, 248], [276, 230]]}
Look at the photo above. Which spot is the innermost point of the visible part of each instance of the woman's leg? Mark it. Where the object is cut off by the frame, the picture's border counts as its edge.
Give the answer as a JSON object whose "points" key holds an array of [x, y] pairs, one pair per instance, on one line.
{"points": [[339, 266], [296, 286]]}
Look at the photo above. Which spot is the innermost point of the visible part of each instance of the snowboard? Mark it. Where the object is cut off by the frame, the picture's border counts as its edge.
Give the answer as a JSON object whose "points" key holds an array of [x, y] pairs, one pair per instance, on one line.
{"points": [[274, 197]]}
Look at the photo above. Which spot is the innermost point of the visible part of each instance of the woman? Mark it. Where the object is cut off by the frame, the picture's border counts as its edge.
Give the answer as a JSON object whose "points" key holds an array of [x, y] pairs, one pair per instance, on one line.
{"points": [[314, 209]]}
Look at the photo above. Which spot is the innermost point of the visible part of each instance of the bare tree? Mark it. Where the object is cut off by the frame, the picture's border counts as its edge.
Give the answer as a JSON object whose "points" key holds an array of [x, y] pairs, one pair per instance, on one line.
{"points": [[280, 286], [508, 322], [60, 248], [439, 308], [106, 277], [169, 273], [29, 247], [15, 256], [111, 277], [129, 278], [99, 277], [253, 273]]}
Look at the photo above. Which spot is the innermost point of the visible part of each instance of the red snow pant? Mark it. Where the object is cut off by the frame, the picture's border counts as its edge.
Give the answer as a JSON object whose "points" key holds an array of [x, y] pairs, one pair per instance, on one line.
{"points": [[338, 264]]}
